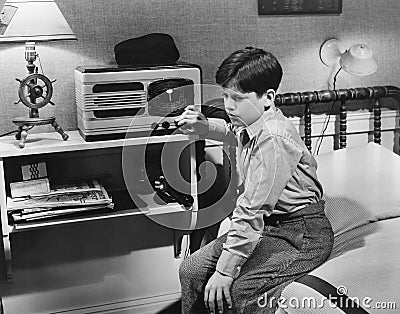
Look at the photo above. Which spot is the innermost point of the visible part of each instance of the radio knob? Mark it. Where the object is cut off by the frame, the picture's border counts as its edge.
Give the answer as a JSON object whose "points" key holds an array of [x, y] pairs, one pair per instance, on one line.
{"points": [[165, 125], [154, 126]]}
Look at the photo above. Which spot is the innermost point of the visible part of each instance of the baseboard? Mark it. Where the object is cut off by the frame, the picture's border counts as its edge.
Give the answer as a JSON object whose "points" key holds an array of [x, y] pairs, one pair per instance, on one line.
{"points": [[164, 304]]}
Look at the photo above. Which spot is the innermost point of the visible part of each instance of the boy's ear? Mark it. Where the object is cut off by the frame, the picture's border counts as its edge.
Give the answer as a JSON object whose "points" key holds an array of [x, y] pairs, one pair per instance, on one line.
{"points": [[269, 97], [271, 94]]}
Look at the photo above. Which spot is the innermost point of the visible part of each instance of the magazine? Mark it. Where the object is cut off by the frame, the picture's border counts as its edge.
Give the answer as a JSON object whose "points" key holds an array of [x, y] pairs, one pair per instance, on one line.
{"points": [[49, 213], [61, 200], [92, 193]]}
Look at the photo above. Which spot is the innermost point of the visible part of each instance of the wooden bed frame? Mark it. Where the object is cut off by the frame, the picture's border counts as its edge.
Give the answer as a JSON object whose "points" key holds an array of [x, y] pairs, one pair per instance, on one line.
{"points": [[304, 104], [375, 93]]}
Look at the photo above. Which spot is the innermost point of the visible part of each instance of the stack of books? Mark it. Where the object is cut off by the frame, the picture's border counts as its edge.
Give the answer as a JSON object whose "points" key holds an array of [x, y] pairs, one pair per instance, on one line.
{"points": [[67, 199]]}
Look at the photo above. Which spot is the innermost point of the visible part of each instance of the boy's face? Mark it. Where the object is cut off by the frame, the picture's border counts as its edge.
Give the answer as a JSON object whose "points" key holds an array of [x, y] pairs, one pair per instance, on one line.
{"points": [[243, 108]]}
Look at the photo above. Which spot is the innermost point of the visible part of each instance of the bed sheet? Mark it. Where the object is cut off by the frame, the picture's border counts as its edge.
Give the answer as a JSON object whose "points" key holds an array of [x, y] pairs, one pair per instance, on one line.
{"points": [[363, 204], [365, 265], [360, 185]]}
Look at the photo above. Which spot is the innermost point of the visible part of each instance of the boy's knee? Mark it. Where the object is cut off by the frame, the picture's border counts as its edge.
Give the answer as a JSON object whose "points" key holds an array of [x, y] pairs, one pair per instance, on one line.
{"points": [[187, 268]]}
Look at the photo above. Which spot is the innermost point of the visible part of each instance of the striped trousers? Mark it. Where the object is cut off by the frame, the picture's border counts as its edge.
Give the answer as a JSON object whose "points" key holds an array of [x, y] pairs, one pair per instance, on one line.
{"points": [[291, 246]]}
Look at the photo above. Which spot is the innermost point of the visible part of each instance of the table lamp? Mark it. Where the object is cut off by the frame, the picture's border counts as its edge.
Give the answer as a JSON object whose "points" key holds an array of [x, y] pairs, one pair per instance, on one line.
{"points": [[30, 21], [357, 60]]}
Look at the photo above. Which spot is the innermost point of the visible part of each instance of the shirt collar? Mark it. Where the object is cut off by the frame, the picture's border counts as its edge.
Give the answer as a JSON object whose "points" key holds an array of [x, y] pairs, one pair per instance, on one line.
{"points": [[254, 128]]}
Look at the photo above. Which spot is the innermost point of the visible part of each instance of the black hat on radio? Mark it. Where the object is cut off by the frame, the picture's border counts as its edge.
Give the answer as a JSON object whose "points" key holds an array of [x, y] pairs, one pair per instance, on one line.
{"points": [[151, 49]]}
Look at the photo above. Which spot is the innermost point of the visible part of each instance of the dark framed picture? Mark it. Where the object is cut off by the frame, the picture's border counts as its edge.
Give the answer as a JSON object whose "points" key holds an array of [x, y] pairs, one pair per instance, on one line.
{"points": [[299, 7]]}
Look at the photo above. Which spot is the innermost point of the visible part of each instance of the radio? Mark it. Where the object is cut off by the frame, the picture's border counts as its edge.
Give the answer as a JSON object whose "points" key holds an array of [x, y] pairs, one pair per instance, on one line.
{"points": [[112, 101]]}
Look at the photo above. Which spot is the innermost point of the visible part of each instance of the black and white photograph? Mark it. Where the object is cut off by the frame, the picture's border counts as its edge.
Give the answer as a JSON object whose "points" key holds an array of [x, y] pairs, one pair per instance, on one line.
{"points": [[195, 157]]}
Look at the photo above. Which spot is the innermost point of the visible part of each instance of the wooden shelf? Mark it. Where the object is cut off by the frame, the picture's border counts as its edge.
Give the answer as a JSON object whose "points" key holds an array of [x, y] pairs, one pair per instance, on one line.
{"points": [[78, 159], [76, 218], [43, 143], [166, 209]]}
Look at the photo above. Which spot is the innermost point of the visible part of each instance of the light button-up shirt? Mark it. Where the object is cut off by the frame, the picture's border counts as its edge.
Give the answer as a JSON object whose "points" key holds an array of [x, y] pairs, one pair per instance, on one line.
{"points": [[278, 175]]}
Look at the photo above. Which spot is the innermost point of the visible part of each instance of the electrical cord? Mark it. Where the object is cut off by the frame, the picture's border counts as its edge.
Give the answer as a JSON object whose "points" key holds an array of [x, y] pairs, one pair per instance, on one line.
{"points": [[8, 133], [187, 252], [40, 63], [11, 132], [327, 119]]}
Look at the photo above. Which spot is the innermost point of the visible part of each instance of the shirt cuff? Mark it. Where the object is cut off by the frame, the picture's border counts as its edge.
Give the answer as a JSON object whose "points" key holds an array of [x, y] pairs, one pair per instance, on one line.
{"points": [[229, 264], [217, 129], [217, 125]]}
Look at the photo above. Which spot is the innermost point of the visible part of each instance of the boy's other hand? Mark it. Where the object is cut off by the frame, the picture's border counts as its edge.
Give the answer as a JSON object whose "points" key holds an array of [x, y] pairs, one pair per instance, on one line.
{"points": [[216, 289], [192, 121]]}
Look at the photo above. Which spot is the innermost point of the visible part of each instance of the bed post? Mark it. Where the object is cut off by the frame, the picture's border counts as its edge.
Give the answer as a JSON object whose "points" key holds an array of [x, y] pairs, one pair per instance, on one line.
{"points": [[377, 121], [307, 126], [342, 125]]}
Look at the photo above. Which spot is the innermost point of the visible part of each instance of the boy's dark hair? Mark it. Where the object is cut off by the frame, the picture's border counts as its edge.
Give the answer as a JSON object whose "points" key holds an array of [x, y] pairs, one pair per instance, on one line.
{"points": [[250, 70]]}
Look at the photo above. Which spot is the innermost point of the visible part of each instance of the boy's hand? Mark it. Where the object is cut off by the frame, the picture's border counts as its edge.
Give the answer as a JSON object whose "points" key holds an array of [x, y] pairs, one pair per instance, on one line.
{"points": [[217, 287], [192, 121]]}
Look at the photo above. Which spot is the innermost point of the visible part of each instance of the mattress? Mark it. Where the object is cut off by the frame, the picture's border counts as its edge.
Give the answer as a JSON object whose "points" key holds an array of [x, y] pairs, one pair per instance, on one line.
{"points": [[364, 265], [363, 205]]}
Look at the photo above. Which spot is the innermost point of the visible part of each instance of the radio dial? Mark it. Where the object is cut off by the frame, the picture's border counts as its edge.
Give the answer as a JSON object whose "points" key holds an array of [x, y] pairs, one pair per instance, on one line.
{"points": [[154, 126], [165, 125]]}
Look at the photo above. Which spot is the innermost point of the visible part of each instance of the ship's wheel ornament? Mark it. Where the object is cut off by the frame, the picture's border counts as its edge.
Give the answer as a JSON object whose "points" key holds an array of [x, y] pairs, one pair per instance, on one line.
{"points": [[35, 92]]}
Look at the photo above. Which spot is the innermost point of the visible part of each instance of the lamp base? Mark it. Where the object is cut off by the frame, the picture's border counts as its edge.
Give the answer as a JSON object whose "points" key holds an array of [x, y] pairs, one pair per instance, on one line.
{"points": [[25, 124], [330, 52]]}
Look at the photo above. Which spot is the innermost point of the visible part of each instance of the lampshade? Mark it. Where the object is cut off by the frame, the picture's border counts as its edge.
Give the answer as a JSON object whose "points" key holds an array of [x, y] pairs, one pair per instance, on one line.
{"points": [[33, 20], [30, 21], [357, 60]]}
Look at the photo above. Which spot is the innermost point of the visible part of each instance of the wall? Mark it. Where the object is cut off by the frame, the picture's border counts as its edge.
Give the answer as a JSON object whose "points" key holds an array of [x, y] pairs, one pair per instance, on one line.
{"points": [[205, 32]]}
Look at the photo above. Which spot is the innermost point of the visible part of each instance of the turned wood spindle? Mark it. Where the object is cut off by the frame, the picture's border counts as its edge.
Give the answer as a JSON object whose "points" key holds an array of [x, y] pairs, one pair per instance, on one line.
{"points": [[377, 121], [307, 126], [327, 96], [342, 124]]}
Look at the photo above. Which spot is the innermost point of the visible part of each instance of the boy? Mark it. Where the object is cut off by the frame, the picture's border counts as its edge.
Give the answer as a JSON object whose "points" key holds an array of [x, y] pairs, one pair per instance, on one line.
{"points": [[278, 229]]}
